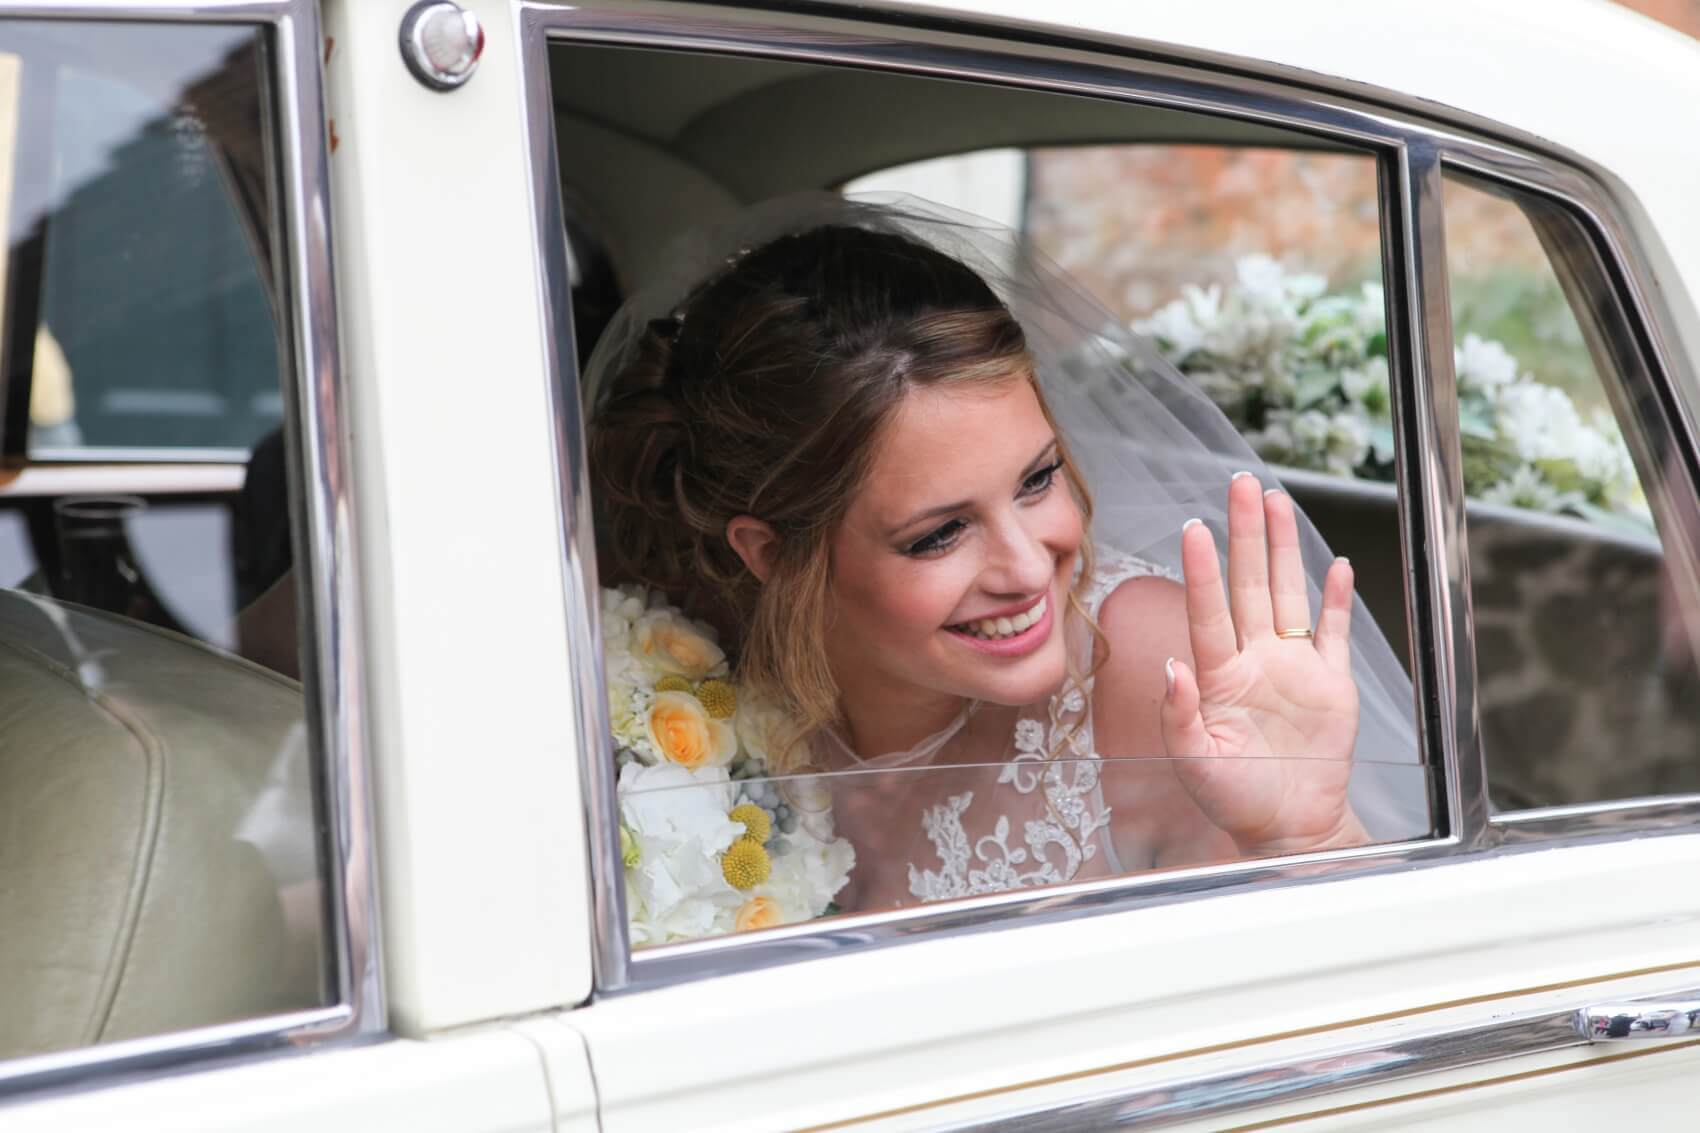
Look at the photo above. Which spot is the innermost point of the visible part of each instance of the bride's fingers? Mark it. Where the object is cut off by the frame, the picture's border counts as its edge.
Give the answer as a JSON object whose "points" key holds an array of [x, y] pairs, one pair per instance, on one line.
{"points": [[1207, 621], [1286, 568], [1184, 736], [1334, 627], [1248, 559]]}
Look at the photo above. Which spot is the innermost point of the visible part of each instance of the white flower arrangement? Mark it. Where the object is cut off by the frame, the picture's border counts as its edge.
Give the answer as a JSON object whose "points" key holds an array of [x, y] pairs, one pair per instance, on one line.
{"points": [[1302, 373], [710, 844]]}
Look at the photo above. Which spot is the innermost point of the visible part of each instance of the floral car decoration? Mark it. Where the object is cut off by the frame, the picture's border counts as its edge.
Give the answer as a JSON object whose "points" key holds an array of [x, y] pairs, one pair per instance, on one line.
{"points": [[710, 843], [1302, 372]]}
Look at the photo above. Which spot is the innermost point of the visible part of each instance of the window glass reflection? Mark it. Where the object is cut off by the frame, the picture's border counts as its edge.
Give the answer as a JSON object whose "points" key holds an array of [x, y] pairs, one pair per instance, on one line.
{"points": [[160, 857]]}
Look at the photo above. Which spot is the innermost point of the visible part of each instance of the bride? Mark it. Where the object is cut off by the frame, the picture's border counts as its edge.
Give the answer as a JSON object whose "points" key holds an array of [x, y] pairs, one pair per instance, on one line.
{"points": [[973, 538]]}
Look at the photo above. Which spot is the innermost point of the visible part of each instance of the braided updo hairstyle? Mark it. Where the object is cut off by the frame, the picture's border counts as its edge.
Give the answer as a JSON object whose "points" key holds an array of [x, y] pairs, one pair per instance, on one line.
{"points": [[765, 396]]}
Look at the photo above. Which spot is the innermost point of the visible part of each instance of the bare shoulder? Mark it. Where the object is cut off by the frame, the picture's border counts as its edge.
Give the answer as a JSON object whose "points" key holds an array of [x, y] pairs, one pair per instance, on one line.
{"points": [[1143, 618], [1143, 622]]}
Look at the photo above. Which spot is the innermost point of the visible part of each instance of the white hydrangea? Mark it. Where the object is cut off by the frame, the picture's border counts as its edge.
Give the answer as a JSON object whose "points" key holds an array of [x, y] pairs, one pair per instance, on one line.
{"points": [[1483, 365], [1525, 488], [677, 820]]}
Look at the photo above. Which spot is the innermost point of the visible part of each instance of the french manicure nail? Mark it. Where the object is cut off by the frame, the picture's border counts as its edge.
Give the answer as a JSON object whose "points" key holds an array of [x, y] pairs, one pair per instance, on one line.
{"points": [[1238, 474], [1190, 523], [1169, 675]]}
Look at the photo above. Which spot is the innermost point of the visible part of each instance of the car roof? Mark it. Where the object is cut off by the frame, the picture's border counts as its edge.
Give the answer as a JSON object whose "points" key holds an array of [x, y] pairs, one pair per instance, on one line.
{"points": [[1590, 76]]}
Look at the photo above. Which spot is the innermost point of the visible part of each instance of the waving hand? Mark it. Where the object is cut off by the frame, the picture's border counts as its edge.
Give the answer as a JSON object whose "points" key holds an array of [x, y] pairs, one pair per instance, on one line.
{"points": [[1262, 731]]}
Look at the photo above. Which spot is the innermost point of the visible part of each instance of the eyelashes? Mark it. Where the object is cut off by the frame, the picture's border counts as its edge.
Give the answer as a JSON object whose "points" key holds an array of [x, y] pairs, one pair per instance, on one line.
{"points": [[1038, 483], [943, 537]]}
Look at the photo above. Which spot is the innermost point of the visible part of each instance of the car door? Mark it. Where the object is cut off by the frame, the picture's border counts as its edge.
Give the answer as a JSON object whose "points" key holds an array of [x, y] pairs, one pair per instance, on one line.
{"points": [[1435, 978], [196, 609]]}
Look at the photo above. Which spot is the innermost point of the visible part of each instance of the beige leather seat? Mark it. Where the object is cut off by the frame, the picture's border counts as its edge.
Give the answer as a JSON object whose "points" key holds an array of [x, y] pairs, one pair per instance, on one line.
{"points": [[158, 855]]}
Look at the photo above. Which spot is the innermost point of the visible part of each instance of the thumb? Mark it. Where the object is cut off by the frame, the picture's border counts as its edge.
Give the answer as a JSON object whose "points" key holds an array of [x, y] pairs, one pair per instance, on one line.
{"points": [[1183, 726]]}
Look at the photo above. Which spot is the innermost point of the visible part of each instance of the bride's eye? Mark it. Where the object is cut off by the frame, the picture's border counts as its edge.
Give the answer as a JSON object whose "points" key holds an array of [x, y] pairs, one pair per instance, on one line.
{"points": [[939, 539], [1037, 483]]}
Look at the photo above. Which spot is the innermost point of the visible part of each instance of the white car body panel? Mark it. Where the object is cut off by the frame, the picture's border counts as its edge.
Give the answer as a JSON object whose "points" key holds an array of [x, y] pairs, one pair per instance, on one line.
{"points": [[482, 846], [1515, 62]]}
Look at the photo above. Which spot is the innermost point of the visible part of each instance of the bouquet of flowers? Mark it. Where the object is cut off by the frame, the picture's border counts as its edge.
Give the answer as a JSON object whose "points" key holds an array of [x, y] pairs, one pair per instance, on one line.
{"points": [[1303, 374], [711, 845]]}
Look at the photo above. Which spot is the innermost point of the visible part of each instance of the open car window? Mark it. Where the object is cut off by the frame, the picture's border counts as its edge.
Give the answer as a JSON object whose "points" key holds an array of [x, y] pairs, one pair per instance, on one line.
{"points": [[1281, 330]]}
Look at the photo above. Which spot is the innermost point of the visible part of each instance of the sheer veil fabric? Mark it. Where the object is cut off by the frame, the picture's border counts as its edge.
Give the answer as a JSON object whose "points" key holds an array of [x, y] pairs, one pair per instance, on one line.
{"points": [[1007, 797]]}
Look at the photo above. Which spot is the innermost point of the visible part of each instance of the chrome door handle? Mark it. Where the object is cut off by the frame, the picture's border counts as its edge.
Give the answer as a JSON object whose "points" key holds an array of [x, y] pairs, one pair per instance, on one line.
{"points": [[1636, 1022]]}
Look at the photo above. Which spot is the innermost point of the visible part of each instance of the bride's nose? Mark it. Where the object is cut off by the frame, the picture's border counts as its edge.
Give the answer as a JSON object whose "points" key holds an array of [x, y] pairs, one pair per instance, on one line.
{"points": [[1018, 562]]}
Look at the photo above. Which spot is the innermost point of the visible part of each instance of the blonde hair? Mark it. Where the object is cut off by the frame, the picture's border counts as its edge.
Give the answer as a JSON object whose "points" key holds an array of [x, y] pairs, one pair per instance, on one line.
{"points": [[766, 397]]}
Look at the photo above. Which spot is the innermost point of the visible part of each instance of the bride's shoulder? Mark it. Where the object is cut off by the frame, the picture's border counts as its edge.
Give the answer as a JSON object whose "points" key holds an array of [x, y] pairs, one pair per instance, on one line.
{"points": [[1139, 605]]}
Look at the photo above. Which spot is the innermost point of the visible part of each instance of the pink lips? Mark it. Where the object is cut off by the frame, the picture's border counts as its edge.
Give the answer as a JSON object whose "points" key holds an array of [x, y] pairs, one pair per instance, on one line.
{"points": [[1016, 645]]}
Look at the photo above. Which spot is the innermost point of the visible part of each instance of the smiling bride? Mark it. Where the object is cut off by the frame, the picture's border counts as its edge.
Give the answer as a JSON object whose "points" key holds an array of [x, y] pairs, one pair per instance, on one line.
{"points": [[1032, 610]]}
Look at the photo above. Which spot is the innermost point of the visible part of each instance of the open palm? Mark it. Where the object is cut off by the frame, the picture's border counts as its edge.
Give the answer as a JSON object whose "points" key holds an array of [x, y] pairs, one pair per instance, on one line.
{"points": [[1262, 732]]}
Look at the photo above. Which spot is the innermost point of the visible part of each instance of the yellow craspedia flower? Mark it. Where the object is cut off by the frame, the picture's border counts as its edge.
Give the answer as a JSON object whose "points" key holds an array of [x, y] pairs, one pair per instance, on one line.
{"points": [[757, 823], [720, 698], [745, 864], [672, 683]]}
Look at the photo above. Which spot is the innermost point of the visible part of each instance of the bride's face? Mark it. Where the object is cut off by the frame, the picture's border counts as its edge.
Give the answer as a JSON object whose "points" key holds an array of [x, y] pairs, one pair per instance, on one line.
{"points": [[952, 568]]}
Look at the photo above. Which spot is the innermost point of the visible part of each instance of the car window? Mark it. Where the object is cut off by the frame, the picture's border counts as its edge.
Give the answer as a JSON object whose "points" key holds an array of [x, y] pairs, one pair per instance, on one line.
{"points": [[1581, 519], [734, 816], [160, 858], [135, 331]]}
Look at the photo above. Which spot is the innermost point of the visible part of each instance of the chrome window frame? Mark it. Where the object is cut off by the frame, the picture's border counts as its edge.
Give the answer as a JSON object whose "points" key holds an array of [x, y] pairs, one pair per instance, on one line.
{"points": [[1412, 141], [324, 525]]}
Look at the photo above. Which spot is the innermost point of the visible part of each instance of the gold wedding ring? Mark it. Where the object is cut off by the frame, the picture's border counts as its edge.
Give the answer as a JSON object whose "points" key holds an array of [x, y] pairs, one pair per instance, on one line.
{"points": [[1290, 633]]}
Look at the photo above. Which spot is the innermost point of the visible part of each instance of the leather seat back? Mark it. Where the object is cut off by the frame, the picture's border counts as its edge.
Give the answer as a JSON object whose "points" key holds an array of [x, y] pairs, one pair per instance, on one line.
{"points": [[158, 848]]}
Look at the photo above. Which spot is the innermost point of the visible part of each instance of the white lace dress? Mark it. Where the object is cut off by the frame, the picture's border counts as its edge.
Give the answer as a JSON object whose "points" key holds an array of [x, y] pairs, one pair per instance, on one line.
{"points": [[1003, 798]]}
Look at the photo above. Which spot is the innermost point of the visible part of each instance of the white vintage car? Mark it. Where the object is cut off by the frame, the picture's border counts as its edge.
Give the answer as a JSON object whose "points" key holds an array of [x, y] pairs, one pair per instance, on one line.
{"points": [[307, 817]]}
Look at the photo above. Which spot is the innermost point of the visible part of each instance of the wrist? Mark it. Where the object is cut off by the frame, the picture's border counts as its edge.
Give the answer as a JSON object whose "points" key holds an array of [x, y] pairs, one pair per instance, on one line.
{"points": [[1345, 834]]}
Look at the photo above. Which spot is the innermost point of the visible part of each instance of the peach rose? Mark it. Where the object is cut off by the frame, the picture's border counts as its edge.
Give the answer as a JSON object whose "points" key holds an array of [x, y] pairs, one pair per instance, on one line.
{"points": [[758, 912], [674, 645], [684, 733]]}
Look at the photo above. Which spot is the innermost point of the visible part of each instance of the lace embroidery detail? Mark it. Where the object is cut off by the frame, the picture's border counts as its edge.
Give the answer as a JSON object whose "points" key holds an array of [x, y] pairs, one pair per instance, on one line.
{"points": [[1075, 808]]}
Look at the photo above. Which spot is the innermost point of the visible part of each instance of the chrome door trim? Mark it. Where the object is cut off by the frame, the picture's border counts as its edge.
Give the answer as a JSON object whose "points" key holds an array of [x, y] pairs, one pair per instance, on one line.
{"points": [[1189, 1098], [1434, 514], [1411, 139], [610, 951], [325, 542]]}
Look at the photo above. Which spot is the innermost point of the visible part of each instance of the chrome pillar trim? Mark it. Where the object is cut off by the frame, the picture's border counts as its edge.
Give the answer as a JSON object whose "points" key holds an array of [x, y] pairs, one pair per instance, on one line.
{"points": [[1189, 1098], [1437, 490], [1426, 592], [325, 542], [1404, 132], [332, 617], [611, 946]]}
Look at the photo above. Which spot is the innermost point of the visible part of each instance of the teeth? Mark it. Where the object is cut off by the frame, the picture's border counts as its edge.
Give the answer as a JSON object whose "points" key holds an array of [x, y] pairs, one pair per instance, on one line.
{"points": [[990, 629]]}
